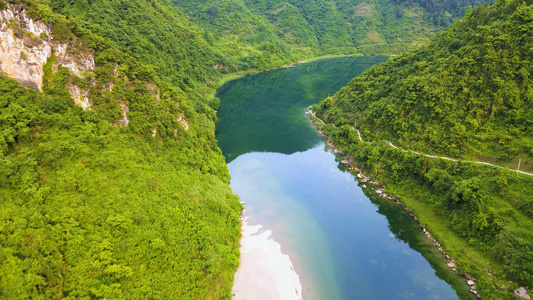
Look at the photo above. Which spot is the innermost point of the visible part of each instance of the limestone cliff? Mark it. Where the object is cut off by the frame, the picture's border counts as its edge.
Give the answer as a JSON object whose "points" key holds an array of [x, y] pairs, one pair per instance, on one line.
{"points": [[32, 50], [26, 45]]}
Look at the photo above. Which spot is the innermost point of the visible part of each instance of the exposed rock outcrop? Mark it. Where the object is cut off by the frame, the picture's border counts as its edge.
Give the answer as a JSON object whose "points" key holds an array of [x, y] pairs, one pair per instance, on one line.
{"points": [[124, 120], [26, 45], [181, 120], [521, 293], [24, 52], [80, 97]]}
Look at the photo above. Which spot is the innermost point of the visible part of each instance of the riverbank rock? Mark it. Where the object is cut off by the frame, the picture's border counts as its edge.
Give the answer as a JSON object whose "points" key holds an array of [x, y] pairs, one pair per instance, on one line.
{"points": [[379, 189], [521, 293]]}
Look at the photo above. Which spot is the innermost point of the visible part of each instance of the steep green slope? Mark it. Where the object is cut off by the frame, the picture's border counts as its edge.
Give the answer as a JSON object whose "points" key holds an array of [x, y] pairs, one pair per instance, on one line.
{"points": [[443, 12], [90, 210], [245, 39], [467, 93], [153, 32], [94, 206], [379, 26], [332, 31]]}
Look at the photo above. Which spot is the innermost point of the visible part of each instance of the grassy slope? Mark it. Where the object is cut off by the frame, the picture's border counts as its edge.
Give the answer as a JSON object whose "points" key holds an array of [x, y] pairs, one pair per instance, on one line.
{"points": [[244, 39]]}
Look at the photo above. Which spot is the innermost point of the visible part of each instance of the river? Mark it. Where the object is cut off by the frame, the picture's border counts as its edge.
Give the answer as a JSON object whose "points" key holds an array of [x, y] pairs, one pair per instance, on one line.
{"points": [[342, 243]]}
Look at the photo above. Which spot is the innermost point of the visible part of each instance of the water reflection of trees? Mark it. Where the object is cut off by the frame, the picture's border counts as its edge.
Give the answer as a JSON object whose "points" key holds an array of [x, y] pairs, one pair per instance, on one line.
{"points": [[265, 112], [406, 230]]}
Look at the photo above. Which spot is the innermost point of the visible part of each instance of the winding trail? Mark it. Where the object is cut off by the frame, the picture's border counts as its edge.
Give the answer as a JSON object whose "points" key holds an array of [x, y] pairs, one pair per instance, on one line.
{"points": [[432, 156]]}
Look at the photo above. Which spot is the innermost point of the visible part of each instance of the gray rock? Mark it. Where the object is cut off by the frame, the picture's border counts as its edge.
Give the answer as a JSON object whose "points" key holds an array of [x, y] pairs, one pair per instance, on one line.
{"points": [[521, 293]]}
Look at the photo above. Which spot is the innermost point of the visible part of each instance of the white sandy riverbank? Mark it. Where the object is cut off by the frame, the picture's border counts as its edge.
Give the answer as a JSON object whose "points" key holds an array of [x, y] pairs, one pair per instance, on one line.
{"points": [[265, 272]]}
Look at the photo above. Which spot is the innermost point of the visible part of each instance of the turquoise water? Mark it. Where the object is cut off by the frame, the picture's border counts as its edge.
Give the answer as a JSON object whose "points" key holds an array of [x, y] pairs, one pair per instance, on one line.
{"points": [[343, 244]]}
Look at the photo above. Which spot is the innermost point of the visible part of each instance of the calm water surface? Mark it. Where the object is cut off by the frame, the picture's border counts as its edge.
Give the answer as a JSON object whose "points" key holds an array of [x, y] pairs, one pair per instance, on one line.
{"points": [[343, 244]]}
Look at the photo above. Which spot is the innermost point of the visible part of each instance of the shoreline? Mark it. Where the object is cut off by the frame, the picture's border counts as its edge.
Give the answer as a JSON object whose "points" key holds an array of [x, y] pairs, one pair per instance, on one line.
{"points": [[236, 75], [264, 271], [379, 191]]}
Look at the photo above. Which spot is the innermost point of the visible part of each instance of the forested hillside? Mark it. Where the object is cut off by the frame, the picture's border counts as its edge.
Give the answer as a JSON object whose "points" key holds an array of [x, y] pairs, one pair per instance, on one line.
{"points": [[245, 39], [128, 199], [324, 27], [465, 94], [152, 32]]}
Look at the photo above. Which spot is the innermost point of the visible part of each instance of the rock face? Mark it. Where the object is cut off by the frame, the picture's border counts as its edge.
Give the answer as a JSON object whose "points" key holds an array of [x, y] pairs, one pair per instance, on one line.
{"points": [[124, 120], [26, 45], [79, 96], [521, 293], [183, 123], [23, 55]]}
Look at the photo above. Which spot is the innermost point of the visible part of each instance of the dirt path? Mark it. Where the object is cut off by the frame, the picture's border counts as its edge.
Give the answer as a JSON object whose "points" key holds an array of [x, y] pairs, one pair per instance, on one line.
{"points": [[432, 156]]}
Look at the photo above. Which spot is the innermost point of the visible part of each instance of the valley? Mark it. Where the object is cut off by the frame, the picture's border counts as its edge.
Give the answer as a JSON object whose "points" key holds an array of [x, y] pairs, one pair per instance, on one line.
{"points": [[116, 178]]}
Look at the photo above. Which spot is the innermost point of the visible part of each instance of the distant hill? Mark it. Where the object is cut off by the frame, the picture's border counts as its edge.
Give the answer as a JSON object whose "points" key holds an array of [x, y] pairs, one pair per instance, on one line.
{"points": [[326, 27]]}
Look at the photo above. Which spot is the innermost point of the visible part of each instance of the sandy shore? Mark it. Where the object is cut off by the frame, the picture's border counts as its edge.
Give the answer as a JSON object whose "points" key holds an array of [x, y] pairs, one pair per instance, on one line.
{"points": [[265, 272]]}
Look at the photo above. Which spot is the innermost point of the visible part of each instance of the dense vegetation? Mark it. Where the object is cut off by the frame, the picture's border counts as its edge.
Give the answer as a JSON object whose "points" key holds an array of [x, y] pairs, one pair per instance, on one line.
{"points": [[245, 40], [153, 32], [93, 210], [296, 28], [443, 12], [89, 210], [467, 93]]}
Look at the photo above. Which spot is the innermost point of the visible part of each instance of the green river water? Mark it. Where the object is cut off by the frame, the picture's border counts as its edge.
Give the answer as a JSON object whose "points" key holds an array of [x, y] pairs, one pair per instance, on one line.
{"points": [[343, 243]]}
